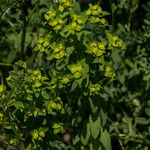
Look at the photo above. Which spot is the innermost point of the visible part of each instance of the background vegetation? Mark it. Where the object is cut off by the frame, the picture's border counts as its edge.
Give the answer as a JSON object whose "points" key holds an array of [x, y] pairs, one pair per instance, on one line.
{"points": [[127, 103]]}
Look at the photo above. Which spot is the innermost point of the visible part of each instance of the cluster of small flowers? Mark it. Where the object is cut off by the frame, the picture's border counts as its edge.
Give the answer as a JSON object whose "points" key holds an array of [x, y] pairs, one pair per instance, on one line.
{"points": [[54, 21], [37, 78], [63, 4], [94, 89], [58, 51], [55, 105], [96, 14], [38, 134], [76, 70], [115, 42], [98, 48], [77, 22], [109, 73], [58, 128], [42, 44]]}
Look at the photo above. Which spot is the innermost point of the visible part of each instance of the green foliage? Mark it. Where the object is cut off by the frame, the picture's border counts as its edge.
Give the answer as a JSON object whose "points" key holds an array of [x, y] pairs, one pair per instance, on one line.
{"points": [[66, 81], [60, 91]]}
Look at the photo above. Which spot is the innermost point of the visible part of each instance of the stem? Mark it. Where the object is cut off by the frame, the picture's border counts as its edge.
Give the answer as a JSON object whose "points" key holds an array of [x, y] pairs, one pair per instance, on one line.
{"points": [[112, 14], [6, 65], [24, 28], [23, 38]]}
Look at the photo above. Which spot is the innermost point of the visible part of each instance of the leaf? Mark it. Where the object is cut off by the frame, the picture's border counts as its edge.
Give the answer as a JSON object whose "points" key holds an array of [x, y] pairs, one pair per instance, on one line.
{"points": [[105, 140], [74, 85], [104, 117], [93, 107], [79, 35], [105, 13], [85, 134], [95, 145], [77, 7], [147, 111], [45, 95], [115, 56], [11, 56], [76, 139], [134, 71], [69, 50], [95, 125], [141, 120]]}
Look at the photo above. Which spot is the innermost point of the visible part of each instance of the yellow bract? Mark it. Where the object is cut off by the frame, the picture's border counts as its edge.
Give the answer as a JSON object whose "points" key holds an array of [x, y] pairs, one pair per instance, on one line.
{"points": [[109, 73], [98, 48], [58, 128], [53, 20], [94, 10], [77, 22], [115, 41], [58, 51], [63, 4], [55, 105], [57, 23], [51, 14], [38, 134], [37, 78], [65, 80], [76, 70], [42, 44], [94, 88]]}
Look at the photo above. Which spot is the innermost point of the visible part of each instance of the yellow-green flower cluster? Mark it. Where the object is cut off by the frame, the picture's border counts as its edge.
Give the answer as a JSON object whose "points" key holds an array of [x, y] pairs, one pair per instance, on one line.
{"points": [[95, 11], [37, 78], [50, 15], [38, 134], [109, 73], [94, 89], [58, 128], [55, 105], [63, 81], [76, 70], [42, 44], [77, 22], [58, 51], [54, 21], [115, 41], [63, 4], [98, 48]]}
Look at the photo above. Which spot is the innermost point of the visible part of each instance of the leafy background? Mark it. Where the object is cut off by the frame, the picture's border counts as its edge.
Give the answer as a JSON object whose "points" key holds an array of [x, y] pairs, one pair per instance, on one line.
{"points": [[129, 102]]}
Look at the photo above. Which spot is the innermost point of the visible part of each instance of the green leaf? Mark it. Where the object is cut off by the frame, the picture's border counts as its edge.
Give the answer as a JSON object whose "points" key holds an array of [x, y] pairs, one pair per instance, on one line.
{"points": [[74, 85], [115, 56], [76, 139], [69, 50], [85, 134], [141, 120], [147, 111], [93, 107], [45, 95], [104, 117], [11, 56], [105, 140], [95, 125]]}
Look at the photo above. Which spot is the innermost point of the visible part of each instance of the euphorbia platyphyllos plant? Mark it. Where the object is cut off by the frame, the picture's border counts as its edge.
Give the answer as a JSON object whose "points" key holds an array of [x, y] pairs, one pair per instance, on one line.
{"points": [[64, 91]]}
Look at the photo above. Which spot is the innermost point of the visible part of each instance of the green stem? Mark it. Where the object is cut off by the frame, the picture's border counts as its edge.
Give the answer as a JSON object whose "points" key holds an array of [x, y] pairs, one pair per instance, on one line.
{"points": [[24, 9], [6, 65], [112, 14]]}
